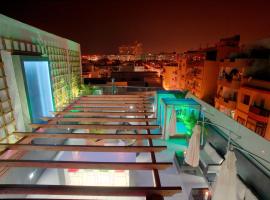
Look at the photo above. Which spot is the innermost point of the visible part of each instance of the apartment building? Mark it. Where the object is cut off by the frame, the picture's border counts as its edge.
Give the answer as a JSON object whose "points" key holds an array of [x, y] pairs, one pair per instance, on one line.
{"points": [[198, 70], [132, 49], [182, 67], [230, 79], [253, 107], [195, 71], [243, 87], [170, 77], [201, 73]]}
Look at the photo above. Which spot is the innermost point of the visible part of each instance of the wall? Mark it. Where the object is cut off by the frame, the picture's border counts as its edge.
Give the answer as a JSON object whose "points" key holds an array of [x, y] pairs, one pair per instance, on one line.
{"points": [[256, 96], [16, 91], [64, 60], [7, 115], [63, 55], [170, 77], [210, 75]]}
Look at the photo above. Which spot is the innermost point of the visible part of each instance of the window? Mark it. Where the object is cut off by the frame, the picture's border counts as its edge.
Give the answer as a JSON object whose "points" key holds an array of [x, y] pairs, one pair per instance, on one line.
{"points": [[246, 99], [260, 129]]}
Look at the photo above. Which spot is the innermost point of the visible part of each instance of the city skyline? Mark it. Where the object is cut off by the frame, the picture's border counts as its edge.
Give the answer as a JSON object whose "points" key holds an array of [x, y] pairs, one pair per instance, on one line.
{"points": [[102, 26], [131, 125]]}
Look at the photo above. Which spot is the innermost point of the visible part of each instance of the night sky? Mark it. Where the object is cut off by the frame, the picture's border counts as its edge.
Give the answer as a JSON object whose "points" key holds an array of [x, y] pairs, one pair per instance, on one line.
{"points": [[100, 26]]}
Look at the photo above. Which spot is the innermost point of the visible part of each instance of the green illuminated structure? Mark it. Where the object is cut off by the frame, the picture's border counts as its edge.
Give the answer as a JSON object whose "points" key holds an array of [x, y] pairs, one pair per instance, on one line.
{"points": [[160, 94], [186, 113]]}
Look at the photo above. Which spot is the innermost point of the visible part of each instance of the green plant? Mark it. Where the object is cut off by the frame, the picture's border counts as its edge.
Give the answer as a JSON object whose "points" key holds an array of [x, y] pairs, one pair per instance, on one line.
{"points": [[181, 95], [89, 90]]}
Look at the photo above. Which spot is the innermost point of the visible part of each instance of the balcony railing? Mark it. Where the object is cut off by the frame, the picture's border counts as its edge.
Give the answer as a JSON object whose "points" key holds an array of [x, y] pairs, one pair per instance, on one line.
{"points": [[228, 103], [234, 84], [259, 114], [109, 89]]}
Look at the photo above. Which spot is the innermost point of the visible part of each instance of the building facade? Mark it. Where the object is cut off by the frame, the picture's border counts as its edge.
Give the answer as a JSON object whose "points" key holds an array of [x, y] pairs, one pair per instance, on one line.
{"points": [[241, 92], [231, 76], [134, 49], [201, 75], [253, 107], [169, 77], [31, 58]]}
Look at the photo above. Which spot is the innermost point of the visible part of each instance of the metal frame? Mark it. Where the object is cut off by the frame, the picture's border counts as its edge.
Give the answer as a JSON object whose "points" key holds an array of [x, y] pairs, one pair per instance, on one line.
{"points": [[155, 192]]}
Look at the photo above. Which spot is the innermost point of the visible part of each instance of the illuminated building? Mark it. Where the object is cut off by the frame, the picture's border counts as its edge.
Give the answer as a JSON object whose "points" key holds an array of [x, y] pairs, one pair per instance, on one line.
{"points": [[198, 70], [92, 57], [90, 146], [135, 49], [185, 110], [253, 108], [182, 67], [242, 81], [201, 73], [231, 76], [170, 74], [167, 56]]}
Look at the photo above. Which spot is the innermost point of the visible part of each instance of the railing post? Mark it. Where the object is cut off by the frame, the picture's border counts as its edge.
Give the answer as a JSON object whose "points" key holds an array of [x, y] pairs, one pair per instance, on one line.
{"points": [[113, 86]]}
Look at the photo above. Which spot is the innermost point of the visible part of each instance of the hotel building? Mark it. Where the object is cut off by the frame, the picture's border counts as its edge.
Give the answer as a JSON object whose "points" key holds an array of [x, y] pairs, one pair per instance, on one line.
{"points": [[109, 145]]}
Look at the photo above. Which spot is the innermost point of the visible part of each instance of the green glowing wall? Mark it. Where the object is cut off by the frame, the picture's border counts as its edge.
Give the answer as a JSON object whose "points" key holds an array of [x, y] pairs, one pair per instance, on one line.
{"points": [[187, 114], [165, 94]]}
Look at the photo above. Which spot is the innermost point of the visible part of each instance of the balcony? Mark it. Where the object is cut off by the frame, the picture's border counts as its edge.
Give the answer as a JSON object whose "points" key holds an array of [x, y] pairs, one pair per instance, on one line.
{"points": [[234, 84], [228, 103], [259, 114], [243, 107]]}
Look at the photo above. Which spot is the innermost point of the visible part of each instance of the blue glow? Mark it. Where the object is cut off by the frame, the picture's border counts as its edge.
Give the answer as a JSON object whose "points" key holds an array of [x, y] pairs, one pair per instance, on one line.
{"points": [[38, 89], [159, 96], [187, 112], [181, 128]]}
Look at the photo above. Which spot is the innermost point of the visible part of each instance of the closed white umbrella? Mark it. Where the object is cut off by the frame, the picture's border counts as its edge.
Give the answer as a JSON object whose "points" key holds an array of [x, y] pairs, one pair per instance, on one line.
{"points": [[225, 185], [172, 124], [193, 151]]}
